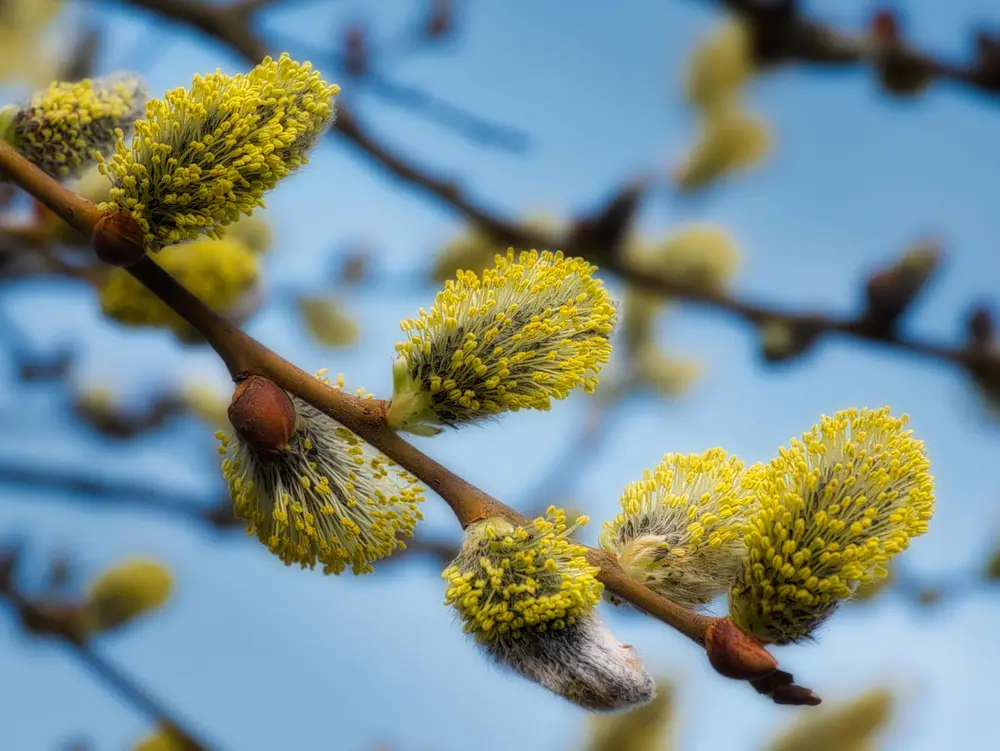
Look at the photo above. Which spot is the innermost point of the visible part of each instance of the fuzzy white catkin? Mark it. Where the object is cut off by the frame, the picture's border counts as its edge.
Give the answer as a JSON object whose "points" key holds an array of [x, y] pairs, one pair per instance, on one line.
{"points": [[584, 663]]}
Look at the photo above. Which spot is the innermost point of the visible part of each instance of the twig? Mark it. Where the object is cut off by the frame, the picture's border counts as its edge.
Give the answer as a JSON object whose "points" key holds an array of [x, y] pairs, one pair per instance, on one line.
{"points": [[446, 114], [785, 33], [150, 496], [245, 356], [113, 677], [232, 25], [511, 233]]}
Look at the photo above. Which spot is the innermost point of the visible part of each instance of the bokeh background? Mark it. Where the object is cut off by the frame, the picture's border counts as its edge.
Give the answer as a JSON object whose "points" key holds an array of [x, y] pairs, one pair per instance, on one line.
{"points": [[533, 108]]}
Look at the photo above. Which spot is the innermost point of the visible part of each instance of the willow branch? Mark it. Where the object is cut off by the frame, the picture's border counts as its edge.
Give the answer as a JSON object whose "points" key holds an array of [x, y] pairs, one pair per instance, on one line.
{"points": [[245, 356], [239, 37], [38, 619], [791, 35]]}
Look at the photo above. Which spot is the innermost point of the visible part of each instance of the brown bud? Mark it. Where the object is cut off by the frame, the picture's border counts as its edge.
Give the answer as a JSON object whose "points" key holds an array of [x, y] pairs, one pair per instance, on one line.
{"points": [[929, 596], [598, 236], [118, 239], [735, 654], [355, 60], [981, 327], [263, 416], [885, 26], [65, 619], [892, 290]]}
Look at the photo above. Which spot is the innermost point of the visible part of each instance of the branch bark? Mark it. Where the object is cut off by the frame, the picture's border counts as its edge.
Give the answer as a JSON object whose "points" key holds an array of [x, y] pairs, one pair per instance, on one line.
{"points": [[233, 30], [245, 356]]}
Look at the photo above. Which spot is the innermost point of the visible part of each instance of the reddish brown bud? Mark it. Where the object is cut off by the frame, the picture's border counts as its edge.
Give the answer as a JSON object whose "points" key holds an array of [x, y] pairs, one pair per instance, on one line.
{"points": [[892, 290], [263, 416], [65, 619], [118, 239], [355, 267], [735, 654], [885, 26], [981, 327]]}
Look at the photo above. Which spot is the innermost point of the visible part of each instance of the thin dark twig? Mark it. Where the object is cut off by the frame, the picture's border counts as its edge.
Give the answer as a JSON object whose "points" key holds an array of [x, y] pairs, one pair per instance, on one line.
{"points": [[153, 497], [787, 34], [451, 116], [116, 679], [245, 357], [241, 39]]}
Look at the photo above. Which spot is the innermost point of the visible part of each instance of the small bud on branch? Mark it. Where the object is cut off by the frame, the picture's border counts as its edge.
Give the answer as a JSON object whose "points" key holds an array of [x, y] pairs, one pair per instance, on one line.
{"points": [[262, 415]]}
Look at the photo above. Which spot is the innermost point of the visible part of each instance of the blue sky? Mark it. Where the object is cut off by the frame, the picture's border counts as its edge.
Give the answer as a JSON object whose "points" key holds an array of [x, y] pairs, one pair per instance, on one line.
{"points": [[257, 656]]}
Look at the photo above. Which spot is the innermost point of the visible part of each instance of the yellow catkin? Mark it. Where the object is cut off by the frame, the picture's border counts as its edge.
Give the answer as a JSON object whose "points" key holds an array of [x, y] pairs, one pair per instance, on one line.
{"points": [[720, 65], [528, 595], [679, 529], [162, 739], [126, 591], [847, 726], [697, 256], [508, 579], [327, 321], [645, 728], [730, 141], [218, 272], [205, 155], [833, 509], [525, 332], [64, 128], [206, 402], [329, 499], [23, 25]]}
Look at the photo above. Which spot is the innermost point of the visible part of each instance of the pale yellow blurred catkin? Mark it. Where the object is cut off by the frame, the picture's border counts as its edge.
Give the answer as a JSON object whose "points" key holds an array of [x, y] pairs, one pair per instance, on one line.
{"points": [[162, 739], [23, 24], [697, 255], [126, 591], [847, 726], [645, 728], [720, 66], [207, 403], [730, 140], [327, 321], [96, 403], [668, 376], [475, 250], [253, 231]]}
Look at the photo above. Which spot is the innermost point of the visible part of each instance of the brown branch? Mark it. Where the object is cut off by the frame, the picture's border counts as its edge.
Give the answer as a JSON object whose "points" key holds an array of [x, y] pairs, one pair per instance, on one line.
{"points": [[227, 23], [231, 25], [784, 33], [245, 356], [152, 497], [238, 36], [511, 233]]}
